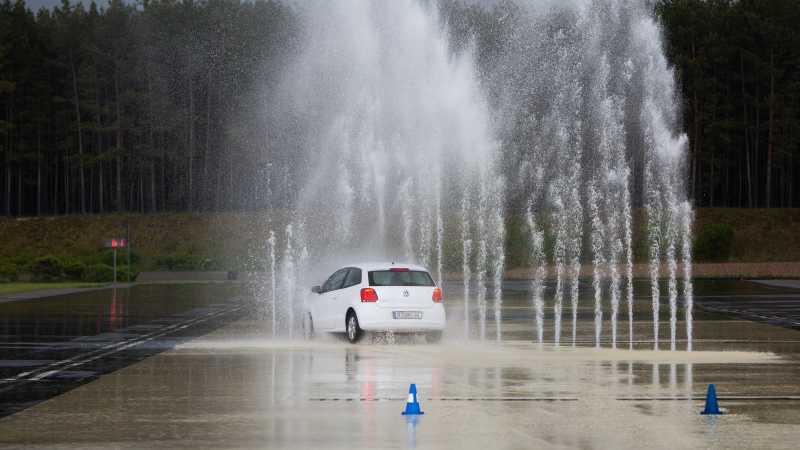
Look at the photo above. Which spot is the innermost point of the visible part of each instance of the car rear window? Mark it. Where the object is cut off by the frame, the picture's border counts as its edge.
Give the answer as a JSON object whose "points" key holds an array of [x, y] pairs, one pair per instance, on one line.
{"points": [[405, 278]]}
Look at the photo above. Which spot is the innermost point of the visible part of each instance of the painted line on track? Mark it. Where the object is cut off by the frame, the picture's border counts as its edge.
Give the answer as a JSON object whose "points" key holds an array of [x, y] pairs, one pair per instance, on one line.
{"points": [[109, 349]]}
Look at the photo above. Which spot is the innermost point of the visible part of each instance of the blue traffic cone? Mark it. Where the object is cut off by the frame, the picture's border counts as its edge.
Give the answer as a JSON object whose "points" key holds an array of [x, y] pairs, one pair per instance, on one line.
{"points": [[712, 407], [412, 406]]}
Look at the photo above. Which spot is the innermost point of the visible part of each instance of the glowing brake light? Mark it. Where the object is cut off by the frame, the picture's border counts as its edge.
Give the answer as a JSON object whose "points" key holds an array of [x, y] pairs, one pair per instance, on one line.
{"points": [[369, 295], [437, 295], [398, 269]]}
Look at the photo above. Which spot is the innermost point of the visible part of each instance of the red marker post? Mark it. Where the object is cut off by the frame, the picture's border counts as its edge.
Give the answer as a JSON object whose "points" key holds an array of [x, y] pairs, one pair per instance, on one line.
{"points": [[114, 244]]}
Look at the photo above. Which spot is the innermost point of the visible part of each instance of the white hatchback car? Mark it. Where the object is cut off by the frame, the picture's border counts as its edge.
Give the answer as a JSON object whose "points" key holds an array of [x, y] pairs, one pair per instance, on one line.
{"points": [[378, 297]]}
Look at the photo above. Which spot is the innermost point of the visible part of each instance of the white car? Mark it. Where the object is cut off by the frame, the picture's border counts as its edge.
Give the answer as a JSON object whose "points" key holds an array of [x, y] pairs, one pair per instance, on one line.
{"points": [[378, 297]]}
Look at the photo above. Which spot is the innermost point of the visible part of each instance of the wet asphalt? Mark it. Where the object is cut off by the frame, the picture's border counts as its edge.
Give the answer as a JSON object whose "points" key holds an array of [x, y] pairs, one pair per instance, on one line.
{"points": [[53, 344], [193, 366], [781, 310]]}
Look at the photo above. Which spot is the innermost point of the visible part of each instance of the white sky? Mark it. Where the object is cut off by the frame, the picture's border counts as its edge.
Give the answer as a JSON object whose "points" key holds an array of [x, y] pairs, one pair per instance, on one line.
{"points": [[35, 5]]}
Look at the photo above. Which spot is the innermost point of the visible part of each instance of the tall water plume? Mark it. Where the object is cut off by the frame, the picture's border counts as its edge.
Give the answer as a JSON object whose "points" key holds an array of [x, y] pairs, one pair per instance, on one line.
{"points": [[273, 281], [537, 258], [466, 258], [687, 217], [394, 138], [664, 174], [401, 141], [600, 133]]}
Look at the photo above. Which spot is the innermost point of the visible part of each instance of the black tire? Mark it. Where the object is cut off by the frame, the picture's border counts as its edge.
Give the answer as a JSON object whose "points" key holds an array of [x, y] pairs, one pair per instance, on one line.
{"points": [[352, 329], [433, 337]]}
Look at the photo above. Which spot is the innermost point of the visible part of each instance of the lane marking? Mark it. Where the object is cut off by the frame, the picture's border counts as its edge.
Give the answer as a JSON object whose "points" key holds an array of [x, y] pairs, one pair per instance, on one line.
{"points": [[109, 349], [133, 344], [759, 313], [44, 375]]}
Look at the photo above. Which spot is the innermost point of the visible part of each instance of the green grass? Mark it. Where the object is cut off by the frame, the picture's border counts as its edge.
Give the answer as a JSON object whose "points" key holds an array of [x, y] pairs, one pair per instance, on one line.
{"points": [[759, 235], [235, 240], [16, 288], [223, 241]]}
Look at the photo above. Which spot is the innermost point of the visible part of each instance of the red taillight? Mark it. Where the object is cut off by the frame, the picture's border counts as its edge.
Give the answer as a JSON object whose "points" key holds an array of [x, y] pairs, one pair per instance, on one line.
{"points": [[437, 295], [398, 269], [369, 295]]}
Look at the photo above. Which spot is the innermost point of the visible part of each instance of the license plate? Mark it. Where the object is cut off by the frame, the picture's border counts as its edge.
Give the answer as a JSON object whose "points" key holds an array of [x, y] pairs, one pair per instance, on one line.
{"points": [[407, 314]]}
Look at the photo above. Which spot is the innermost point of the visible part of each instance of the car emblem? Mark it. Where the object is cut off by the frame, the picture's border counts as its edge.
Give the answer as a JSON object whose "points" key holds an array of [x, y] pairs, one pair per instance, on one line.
{"points": [[405, 293]]}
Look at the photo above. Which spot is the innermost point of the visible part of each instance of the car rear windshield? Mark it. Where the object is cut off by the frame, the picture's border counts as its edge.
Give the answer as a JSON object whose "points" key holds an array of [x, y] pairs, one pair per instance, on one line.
{"points": [[396, 278]]}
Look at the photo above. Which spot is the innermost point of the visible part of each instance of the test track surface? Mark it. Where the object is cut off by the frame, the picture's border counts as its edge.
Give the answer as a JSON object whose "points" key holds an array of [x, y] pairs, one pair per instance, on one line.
{"points": [[781, 310], [88, 360]]}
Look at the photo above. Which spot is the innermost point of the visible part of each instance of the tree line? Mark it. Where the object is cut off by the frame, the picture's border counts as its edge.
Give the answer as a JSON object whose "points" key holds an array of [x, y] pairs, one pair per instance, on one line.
{"points": [[737, 63], [164, 105], [130, 107]]}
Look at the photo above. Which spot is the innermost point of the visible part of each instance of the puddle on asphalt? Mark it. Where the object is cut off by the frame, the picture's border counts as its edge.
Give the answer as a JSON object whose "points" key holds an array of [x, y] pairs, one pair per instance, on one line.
{"points": [[237, 386]]}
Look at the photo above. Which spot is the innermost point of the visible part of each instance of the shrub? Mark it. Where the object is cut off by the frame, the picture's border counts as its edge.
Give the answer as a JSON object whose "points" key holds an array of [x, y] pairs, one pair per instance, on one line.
{"points": [[8, 272], [714, 243], [122, 273], [106, 256], [183, 262], [102, 273], [47, 268], [23, 261], [74, 269]]}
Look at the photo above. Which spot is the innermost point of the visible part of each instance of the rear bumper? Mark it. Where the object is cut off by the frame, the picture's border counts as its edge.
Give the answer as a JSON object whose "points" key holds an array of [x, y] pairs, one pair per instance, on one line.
{"points": [[381, 319]]}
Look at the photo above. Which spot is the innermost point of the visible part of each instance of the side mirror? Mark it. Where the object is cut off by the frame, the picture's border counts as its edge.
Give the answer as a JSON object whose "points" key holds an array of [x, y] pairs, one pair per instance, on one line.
{"points": [[316, 290]]}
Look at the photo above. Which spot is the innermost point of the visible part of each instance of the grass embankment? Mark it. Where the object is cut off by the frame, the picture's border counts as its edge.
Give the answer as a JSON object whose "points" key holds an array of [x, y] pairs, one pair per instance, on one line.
{"points": [[234, 241], [759, 235], [168, 241], [721, 236], [64, 248]]}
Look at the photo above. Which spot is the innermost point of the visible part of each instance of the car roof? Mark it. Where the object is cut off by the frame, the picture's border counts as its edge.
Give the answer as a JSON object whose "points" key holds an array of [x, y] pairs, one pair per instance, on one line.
{"points": [[385, 266]]}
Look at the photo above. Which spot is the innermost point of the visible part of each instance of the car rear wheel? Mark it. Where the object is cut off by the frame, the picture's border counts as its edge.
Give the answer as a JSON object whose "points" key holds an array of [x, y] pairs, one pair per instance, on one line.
{"points": [[353, 330]]}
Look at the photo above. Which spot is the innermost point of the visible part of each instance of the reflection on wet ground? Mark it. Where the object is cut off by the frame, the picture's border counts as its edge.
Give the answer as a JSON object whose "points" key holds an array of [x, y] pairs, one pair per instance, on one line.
{"points": [[235, 387], [715, 301], [51, 345]]}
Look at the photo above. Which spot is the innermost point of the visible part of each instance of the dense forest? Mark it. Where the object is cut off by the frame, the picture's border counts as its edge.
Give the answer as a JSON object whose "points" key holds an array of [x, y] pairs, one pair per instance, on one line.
{"points": [[129, 107], [164, 105], [737, 63]]}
